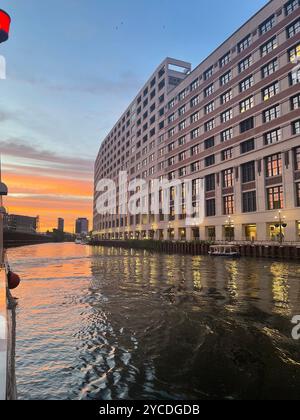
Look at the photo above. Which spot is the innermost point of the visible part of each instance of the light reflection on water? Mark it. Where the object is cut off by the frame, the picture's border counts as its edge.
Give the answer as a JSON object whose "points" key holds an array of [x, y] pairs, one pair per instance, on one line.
{"points": [[97, 323]]}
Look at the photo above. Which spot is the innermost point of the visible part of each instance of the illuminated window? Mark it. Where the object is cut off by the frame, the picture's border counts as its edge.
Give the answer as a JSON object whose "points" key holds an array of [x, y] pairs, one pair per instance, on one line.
{"points": [[228, 205], [269, 47], [274, 165], [294, 54], [247, 104], [227, 178], [270, 91], [275, 198]]}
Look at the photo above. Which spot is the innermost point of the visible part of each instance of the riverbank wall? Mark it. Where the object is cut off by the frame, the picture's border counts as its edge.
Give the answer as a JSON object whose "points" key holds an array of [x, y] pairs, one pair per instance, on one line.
{"points": [[288, 252], [17, 239]]}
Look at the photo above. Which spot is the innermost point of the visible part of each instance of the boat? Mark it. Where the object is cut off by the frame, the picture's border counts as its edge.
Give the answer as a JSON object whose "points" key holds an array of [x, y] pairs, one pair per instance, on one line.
{"points": [[232, 251]]}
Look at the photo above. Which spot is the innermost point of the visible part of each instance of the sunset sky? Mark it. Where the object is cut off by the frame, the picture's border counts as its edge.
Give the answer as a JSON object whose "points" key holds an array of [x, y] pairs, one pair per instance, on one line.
{"points": [[72, 68]]}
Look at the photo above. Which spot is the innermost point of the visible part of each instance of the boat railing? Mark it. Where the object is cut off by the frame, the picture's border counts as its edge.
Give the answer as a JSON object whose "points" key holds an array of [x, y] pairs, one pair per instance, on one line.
{"points": [[7, 330]]}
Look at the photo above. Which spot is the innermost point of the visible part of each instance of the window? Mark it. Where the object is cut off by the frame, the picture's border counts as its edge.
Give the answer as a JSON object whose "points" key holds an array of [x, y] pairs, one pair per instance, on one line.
{"points": [[171, 104], [225, 60], [294, 53], [271, 114], [227, 178], [195, 101], [247, 146], [182, 95], [268, 47], [171, 118], [296, 127], [270, 68], [210, 125], [210, 208], [227, 135], [270, 91], [247, 104], [247, 125], [195, 133], [171, 132], [248, 172], [297, 159], [226, 97], [195, 117], [181, 141], [209, 143], [209, 161], [208, 73], [209, 90], [244, 44], [294, 77], [182, 156], [182, 171], [195, 85], [210, 183], [295, 102], [267, 25], [195, 166], [226, 78], [171, 147], [195, 150], [227, 154], [228, 204], [291, 6], [275, 198], [274, 165], [246, 84], [182, 125], [293, 29], [272, 137], [298, 195], [249, 202], [171, 161], [227, 115], [210, 107], [245, 64], [182, 111]]}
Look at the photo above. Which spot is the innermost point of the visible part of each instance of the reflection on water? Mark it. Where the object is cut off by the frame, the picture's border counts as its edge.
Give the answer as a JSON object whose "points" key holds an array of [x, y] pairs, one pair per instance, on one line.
{"points": [[96, 323]]}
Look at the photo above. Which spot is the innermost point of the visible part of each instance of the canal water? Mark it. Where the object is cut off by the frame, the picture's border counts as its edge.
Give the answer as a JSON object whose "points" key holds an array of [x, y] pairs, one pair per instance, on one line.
{"points": [[96, 323]]}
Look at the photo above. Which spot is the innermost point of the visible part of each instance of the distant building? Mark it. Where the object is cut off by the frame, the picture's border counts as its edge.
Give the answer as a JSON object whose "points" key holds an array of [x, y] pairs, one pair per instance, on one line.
{"points": [[82, 226], [19, 223], [61, 225]]}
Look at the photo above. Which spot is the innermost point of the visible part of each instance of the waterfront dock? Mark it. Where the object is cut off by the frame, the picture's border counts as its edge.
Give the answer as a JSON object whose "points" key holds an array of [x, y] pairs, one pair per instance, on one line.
{"points": [[288, 251]]}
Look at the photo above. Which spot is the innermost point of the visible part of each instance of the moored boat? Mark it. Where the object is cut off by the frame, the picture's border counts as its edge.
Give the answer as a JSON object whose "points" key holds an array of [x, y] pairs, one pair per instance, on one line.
{"points": [[224, 251]]}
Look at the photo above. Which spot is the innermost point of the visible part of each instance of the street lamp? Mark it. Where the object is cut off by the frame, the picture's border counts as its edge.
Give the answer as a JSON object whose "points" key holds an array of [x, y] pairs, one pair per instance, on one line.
{"points": [[229, 227], [281, 224]]}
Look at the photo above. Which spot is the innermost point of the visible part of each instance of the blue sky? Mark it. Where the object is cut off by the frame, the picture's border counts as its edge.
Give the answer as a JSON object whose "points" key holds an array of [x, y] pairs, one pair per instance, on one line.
{"points": [[74, 65]]}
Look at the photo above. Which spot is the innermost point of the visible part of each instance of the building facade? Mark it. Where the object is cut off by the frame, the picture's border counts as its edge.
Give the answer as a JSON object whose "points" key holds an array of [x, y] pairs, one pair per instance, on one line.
{"points": [[82, 226], [60, 225], [18, 223], [233, 123]]}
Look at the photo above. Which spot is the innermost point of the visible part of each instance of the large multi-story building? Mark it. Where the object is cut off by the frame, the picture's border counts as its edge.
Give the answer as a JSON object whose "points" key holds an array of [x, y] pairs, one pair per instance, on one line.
{"points": [[82, 226], [17, 223], [232, 123]]}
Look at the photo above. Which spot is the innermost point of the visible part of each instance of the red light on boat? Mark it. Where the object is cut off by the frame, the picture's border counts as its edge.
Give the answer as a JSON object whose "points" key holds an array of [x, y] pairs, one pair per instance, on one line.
{"points": [[4, 25]]}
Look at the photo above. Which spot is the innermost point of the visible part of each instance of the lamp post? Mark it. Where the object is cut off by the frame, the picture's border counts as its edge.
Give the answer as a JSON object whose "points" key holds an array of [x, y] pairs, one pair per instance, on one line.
{"points": [[281, 224], [229, 226]]}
